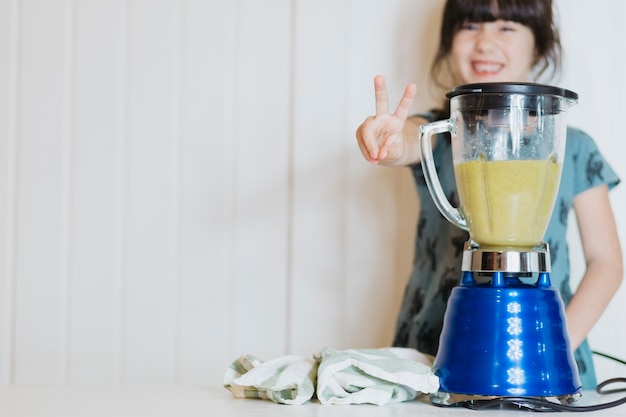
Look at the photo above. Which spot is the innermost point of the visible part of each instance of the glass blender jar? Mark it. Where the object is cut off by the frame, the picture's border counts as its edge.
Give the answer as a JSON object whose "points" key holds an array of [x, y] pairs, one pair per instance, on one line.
{"points": [[503, 336]]}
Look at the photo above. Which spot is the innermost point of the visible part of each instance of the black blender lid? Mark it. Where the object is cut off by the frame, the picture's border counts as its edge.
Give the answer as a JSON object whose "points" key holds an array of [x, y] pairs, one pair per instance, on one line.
{"points": [[512, 88]]}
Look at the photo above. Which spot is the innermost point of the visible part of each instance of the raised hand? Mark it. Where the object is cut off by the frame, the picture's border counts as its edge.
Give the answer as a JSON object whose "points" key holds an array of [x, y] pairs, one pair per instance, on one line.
{"points": [[380, 137]]}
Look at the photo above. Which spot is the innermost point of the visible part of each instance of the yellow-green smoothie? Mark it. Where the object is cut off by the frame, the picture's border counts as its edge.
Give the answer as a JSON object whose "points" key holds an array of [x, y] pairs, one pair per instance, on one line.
{"points": [[507, 203]]}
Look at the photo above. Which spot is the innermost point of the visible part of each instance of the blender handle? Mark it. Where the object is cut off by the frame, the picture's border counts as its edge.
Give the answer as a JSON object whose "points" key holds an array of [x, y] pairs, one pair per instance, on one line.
{"points": [[452, 214]]}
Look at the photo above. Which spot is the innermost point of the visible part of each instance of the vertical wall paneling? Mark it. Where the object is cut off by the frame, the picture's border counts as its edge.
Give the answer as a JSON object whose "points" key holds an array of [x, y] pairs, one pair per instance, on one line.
{"points": [[174, 280], [98, 200], [207, 192], [9, 41], [120, 194], [319, 148], [39, 288], [67, 164], [147, 328], [259, 276]]}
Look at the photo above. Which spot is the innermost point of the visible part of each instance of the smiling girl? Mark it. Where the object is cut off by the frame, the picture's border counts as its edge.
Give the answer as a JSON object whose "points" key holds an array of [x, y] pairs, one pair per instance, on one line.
{"points": [[497, 41]]}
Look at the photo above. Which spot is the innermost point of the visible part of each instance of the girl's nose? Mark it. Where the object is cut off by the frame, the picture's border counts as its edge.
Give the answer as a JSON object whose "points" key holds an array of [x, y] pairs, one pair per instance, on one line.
{"points": [[484, 40]]}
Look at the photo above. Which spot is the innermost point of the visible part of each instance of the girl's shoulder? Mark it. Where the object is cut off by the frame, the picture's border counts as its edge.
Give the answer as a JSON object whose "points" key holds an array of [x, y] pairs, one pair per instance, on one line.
{"points": [[578, 138], [579, 145]]}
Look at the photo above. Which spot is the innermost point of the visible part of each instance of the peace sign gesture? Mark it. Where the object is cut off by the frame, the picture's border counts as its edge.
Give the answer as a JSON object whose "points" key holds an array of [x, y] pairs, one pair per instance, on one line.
{"points": [[381, 137]]}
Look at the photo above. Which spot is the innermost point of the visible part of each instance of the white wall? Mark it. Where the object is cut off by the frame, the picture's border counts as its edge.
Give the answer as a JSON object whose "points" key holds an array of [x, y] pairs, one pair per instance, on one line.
{"points": [[180, 184]]}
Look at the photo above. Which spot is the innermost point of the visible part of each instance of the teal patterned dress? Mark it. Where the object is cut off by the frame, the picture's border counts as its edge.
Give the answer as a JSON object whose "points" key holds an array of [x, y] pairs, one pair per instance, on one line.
{"points": [[439, 245]]}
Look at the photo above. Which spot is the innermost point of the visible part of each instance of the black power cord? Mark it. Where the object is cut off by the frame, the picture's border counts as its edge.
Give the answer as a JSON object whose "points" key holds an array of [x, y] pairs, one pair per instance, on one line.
{"points": [[541, 405], [613, 358], [537, 404]]}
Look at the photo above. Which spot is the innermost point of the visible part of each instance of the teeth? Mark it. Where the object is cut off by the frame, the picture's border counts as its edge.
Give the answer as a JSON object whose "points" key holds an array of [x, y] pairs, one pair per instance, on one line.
{"points": [[487, 67]]}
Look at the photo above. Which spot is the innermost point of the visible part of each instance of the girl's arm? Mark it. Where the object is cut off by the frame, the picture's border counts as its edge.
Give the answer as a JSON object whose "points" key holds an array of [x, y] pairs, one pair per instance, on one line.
{"points": [[603, 257]]}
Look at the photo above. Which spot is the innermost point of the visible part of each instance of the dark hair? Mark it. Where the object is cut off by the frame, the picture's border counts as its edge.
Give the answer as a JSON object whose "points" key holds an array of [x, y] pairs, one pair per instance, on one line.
{"points": [[535, 14]]}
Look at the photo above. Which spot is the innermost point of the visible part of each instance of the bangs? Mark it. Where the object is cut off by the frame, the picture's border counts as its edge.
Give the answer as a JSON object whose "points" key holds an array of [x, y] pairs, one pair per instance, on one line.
{"points": [[479, 11]]}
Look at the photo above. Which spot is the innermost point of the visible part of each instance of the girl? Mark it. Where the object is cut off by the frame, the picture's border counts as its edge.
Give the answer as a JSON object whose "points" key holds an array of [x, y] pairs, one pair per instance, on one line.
{"points": [[497, 41]]}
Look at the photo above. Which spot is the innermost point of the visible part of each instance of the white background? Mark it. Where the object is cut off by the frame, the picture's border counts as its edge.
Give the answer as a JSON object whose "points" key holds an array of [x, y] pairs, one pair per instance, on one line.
{"points": [[180, 183]]}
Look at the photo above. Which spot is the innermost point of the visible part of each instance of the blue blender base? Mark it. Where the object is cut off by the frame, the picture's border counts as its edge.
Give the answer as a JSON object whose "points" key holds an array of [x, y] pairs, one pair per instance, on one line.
{"points": [[505, 338]]}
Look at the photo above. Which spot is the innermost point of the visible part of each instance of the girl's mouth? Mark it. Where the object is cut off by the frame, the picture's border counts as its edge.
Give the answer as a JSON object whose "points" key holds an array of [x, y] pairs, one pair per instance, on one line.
{"points": [[486, 68]]}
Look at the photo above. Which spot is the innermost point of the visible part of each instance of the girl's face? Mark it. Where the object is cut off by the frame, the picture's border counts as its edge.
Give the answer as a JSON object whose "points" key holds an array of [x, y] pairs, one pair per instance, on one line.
{"points": [[499, 51]]}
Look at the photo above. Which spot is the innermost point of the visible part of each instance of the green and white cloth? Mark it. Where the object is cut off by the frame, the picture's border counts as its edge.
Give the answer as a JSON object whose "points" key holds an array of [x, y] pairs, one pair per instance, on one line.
{"points": [[356, 376], [284, 380], [373, 376]]}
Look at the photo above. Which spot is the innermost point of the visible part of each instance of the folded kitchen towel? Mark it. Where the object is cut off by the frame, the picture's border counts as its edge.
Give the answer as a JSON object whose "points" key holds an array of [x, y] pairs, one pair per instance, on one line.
{"points": [[373, 376], [284, 380], [356, 376]]}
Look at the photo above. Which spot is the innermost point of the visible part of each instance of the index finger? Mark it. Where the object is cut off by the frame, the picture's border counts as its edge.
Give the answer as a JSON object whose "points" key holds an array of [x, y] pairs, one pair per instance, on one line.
{"points": [[380, 93]]}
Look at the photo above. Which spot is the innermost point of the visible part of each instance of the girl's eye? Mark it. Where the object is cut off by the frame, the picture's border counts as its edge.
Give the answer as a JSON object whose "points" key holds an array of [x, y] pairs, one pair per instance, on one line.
{"points": [[469, 26], [508, 27]]}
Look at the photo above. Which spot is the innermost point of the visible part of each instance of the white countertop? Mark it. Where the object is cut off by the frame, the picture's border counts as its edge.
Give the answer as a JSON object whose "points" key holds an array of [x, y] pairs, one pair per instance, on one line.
{"points": [[186, 401]]}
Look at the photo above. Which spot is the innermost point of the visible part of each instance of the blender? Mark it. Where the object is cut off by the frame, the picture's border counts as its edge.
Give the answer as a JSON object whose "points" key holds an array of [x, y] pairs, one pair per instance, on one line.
{"points": [[504, 334]]}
